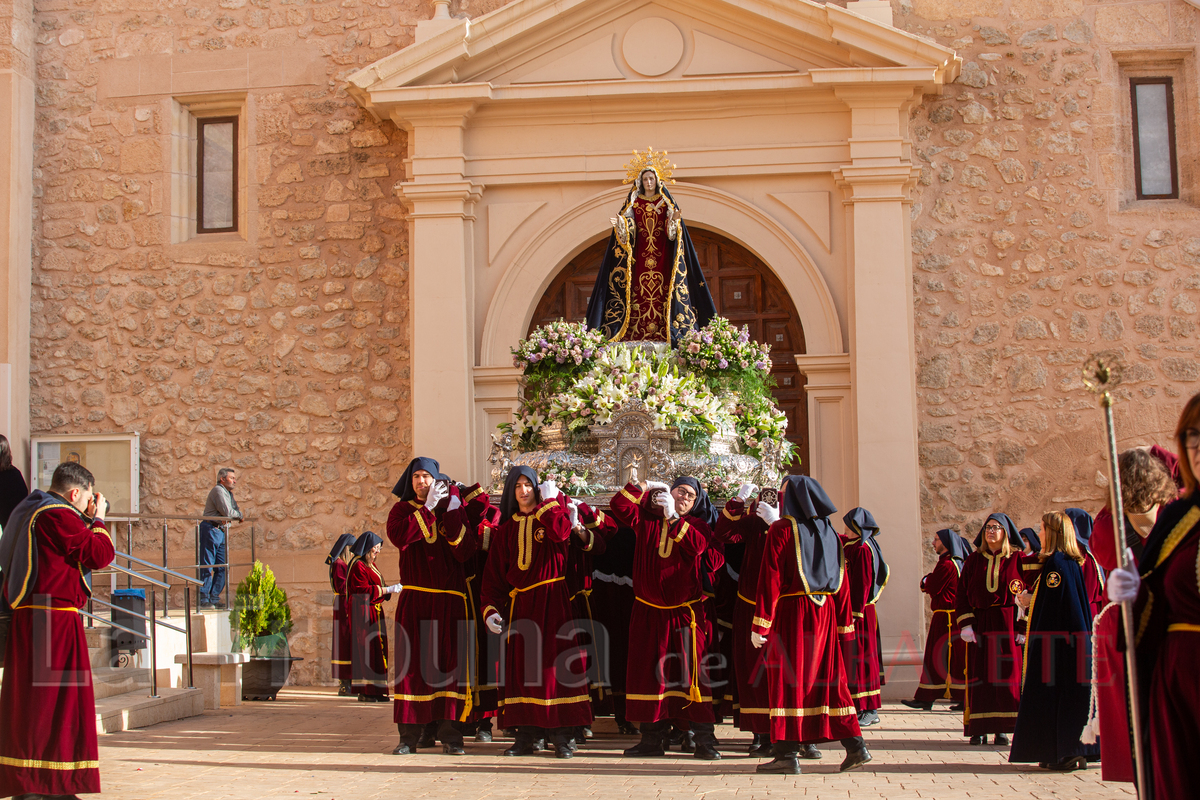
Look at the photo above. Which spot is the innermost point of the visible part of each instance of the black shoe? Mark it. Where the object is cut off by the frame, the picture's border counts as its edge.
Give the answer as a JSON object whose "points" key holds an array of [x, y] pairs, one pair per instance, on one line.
{"points": [[868, 718], [855, 759], [779, 766], [1000, 738], [344, 689], [586, 733], [510, 732], [426, 739], [1070, 764], [627, 728], [205, 606], [978, 740], [705, 752], [483, 735], [546, 745], [956, 707], [919, 706], [563, 751], [362, 698], [755, 740], [453, 750], [762, 749], [381, 698], [646, 748], [688, 745], [676, 736], [523, 749], [809, 751], [402, 750]]}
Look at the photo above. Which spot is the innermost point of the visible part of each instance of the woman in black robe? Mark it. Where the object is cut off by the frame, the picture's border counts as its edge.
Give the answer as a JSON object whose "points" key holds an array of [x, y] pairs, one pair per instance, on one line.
{"points": [[1056, 688]]}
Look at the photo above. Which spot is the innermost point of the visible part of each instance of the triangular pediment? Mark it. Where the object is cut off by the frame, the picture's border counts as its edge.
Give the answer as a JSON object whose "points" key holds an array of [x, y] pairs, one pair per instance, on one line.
{"points": [[552, 42]]}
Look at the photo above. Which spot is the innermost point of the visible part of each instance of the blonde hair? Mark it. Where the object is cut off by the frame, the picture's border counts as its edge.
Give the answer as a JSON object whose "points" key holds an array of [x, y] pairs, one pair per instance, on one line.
{"points": [[1060, 537], [1190, 418]]}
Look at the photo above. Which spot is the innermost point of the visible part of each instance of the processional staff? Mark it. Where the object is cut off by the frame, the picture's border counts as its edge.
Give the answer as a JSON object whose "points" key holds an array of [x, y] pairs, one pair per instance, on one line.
{"points": [[1102, 373]]}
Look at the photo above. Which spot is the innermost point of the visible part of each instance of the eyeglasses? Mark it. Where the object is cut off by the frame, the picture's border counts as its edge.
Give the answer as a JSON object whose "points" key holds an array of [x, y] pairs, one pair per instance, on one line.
{"points": [[993, 528], [1191, 439]]}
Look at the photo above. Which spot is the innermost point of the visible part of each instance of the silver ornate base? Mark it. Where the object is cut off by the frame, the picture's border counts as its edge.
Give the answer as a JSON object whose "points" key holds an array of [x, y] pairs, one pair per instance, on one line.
{"points": [[629, 447]]}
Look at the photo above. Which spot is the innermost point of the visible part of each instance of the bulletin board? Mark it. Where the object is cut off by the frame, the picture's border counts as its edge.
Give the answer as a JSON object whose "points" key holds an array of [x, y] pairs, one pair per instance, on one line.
{"points": [[112, 457]]}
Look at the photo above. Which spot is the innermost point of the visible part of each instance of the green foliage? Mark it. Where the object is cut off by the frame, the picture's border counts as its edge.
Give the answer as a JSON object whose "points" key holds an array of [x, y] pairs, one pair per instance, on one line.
{"points": [[261, 618]]}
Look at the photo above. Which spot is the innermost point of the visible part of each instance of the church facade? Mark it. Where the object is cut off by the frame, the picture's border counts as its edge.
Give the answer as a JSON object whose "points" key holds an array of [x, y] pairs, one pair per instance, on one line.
{"points": [[961, 201]]}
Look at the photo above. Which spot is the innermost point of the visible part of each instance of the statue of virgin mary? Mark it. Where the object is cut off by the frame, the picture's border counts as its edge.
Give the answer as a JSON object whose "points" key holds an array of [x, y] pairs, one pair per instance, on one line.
{"points": [[650, 286]]}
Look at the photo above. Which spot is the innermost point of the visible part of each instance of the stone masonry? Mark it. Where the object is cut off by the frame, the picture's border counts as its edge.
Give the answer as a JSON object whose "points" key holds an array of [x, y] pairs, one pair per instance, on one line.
{"points": [[284, 351]]}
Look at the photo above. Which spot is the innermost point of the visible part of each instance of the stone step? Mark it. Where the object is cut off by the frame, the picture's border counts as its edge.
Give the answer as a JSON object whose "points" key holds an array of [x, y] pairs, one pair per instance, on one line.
{"points": [[109, 681], [130, 710]]}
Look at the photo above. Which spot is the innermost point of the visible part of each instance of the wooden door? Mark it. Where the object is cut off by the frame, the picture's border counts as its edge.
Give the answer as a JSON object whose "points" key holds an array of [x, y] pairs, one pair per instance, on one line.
{"points": [[744, 290]]}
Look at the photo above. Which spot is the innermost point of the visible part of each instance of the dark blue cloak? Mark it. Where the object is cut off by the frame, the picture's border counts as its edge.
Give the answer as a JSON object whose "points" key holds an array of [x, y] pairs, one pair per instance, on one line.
{"points": [[1056, 686]]}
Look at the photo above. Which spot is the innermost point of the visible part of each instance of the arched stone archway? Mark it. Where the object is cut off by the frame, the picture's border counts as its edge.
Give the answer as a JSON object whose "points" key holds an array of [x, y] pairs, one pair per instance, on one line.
{"points": [[745, 291], [552, 247]]}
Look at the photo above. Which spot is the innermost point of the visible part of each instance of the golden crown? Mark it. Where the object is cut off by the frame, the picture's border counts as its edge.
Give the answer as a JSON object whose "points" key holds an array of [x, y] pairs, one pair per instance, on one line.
{"points": [[652, 160]]}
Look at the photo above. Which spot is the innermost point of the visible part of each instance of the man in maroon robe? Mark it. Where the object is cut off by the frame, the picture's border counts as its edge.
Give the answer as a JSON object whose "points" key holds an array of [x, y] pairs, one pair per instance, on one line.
{"points": [[47, 706], [667, 680], [430, 526]]}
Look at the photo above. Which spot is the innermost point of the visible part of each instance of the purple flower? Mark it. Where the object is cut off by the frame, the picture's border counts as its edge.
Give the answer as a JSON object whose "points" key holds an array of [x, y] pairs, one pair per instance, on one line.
{"points": [[723, 364]]}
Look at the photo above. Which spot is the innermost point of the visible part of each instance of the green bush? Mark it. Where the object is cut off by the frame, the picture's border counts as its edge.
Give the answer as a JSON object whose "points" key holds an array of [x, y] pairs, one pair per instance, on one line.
{"points": [[261, 618]]}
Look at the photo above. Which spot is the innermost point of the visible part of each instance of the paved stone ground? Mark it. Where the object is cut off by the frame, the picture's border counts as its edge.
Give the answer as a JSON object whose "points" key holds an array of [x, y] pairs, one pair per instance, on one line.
{"points": [[312, 744]]}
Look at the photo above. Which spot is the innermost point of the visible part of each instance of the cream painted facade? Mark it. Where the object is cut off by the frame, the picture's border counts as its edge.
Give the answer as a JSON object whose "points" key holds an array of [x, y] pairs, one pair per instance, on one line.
{"points": [[788, 123]]}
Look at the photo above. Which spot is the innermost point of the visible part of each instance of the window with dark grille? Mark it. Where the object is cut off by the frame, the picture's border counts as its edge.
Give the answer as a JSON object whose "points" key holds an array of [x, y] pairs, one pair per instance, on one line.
{"points": [[216, 174], [1154, 162]]}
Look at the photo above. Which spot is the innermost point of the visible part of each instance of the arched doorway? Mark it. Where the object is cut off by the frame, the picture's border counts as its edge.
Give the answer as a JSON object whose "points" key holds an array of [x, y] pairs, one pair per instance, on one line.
{"points": [[745, 291]]}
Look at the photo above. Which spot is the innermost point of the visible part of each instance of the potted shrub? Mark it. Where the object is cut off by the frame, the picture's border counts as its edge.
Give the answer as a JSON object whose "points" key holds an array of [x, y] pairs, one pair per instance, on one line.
{"points": [[260, 622]]}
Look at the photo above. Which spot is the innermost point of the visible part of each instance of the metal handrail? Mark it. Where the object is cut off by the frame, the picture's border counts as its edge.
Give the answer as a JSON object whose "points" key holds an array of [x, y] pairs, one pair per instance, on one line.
{"points": [[151, 617], [163, 570], [135, 574], [129, 519], [159, 621]]}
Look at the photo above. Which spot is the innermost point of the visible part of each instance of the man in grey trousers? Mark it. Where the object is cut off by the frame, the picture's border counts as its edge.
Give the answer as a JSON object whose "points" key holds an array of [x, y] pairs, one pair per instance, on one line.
{"points": [[213, 535]]}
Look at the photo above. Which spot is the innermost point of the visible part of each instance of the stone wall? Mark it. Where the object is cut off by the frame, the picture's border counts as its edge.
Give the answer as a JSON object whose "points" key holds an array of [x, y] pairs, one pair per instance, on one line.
{"points": [[1030, 255], [283, 352]]}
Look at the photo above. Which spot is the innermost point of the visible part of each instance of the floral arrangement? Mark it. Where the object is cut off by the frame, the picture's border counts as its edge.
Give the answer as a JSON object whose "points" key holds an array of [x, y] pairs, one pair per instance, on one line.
{"points": [[573, 483], [719, 482], [718, 380], [558, 346], [677, 400], [721, 349]]}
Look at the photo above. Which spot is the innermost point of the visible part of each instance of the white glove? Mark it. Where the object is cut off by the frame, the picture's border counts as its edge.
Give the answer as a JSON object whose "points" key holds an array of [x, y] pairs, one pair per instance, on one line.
{"points": [[494, 622], [549, 490], [393, 589], [757, 639], [744, 491], [767, 513], [667, 504], [573, 514], [1123, 585], [1020, 639], [657, 485], [437, 493], [455, 502], [967, 634]]}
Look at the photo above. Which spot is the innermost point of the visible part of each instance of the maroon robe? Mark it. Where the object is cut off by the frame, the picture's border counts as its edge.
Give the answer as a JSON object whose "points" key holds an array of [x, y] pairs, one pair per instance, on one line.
{"points": [[485, 517], [1093, 582], [865, 668], [433, 612], [598, 526], [339, 659], [740, 524], [47, 705], [368, 630], [945, 652], [545, 677], [806, 675], [1169, 643], [650, 287], [986, 601], [665, 678]]}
